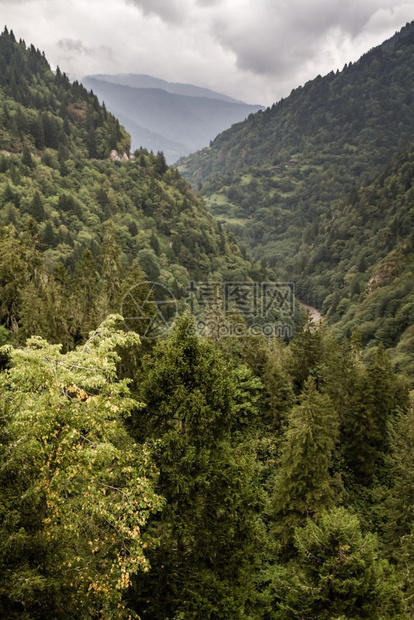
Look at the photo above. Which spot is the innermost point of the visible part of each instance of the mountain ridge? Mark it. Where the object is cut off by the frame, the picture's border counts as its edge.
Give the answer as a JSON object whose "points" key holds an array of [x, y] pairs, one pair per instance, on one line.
{"points": [[282, 179], [78, 227], [141, 80], [183, 123]]}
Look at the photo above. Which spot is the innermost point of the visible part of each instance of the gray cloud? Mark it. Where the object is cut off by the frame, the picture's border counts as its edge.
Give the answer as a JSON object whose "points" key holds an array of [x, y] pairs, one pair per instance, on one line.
{"points": [[275, 39], [170, 11], [73, 48], [256, 50], [208, 3]]}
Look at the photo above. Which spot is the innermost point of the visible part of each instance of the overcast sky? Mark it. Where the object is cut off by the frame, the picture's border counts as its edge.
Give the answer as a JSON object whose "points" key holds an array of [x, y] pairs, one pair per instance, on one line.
{"points": [[255, 50]]}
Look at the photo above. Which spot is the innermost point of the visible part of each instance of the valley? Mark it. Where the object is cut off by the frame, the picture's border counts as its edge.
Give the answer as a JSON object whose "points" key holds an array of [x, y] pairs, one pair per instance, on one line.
{"points": [[180, 438], [313, 187]]}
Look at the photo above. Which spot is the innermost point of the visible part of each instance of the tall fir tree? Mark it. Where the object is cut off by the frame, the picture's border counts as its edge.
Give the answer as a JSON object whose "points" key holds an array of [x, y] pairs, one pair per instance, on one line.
{"points": [[339, 573], [209, 530], [303, 483]]}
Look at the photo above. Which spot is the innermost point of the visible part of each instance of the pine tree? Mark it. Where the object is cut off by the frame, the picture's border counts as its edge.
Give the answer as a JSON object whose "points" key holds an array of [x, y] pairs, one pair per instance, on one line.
{"points": [[208, 531], [36, 208], [112, 271], [339, 574], [304, 484], [27, 157], [85, 296], [307, 353], [400, 501], [377, 397]]}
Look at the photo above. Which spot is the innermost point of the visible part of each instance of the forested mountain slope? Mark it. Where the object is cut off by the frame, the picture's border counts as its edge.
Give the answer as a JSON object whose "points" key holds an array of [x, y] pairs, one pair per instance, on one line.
{"points": [[74, 223], [284, 179], [193, 477], [366, 259]]}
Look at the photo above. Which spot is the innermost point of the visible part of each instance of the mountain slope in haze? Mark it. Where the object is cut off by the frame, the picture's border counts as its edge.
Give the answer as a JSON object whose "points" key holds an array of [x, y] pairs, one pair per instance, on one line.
{"points": [[136, 80], [173, 118], [77, 232], [281, 180]]}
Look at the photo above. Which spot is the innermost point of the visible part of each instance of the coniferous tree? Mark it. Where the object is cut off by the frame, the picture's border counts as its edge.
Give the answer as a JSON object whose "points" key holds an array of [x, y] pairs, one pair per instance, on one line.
{"points": [[112, 271], [36, 208], [304, 484], [85, 296], [377, 397], [339, 573], [27, 157], [307, 353], [400, 501], [209, 530]]}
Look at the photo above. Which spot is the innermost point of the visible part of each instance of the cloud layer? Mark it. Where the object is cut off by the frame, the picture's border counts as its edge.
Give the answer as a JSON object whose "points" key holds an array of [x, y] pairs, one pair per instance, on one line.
{"points": [[256, 50]]}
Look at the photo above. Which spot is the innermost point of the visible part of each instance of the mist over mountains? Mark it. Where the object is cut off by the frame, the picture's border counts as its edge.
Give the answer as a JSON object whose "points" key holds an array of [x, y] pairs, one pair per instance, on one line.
{"points": [[177, 119]]}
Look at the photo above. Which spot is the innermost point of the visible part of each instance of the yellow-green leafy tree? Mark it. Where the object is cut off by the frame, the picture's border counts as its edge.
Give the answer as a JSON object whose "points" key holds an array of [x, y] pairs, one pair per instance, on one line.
{"points": [[76, 489]]}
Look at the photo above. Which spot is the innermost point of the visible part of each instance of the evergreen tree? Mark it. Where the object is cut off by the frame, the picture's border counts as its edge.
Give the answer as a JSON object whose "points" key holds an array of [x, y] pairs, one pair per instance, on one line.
{"points": [[307, 353], [27, 157], [14, 276], [400, 501], [85, 296], [304, 484], [339, 574], [111, 268], [36, 208], [209, 530], [377, 397]]}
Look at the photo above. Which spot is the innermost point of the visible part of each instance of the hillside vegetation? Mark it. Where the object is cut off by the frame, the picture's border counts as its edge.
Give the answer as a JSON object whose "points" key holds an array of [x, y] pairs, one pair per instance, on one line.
{"points": [[77, 228], [183, 477], [319, 186]]}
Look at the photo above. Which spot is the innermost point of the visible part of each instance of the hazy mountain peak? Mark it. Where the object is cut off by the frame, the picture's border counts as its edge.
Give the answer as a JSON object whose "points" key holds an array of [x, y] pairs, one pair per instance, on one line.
{"points": [[174, 118], [137, 80]]}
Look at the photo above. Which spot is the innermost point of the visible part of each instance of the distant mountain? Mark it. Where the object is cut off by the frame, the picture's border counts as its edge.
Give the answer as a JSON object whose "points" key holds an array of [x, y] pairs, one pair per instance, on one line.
{"points": [[290, 182], [174, 118], [136, 80]]}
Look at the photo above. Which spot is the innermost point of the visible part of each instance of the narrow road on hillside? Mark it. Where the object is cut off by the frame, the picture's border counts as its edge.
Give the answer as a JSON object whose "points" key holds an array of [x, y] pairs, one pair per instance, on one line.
{"points": [[315, 314]]}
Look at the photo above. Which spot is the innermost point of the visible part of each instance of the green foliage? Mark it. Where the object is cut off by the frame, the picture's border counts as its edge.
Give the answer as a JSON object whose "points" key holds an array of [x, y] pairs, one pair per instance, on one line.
{"points": [[319, 187], [245, 439], [400, 502], [69, 244], [303, 484], [48, 110], [377, 398], [77, 210], [76, 490], [209, 532], [339, 573]]}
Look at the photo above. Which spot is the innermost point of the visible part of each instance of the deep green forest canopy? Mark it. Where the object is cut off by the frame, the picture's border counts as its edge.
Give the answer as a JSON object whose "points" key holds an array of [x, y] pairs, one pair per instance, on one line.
{"points": [[319, 186], [78, 228], [186, 478]]}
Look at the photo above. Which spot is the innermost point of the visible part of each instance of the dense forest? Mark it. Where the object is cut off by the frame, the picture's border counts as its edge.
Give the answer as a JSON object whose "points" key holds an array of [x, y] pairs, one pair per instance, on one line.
{"points": [[319, 187], [81, 221], [187, 476]]}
